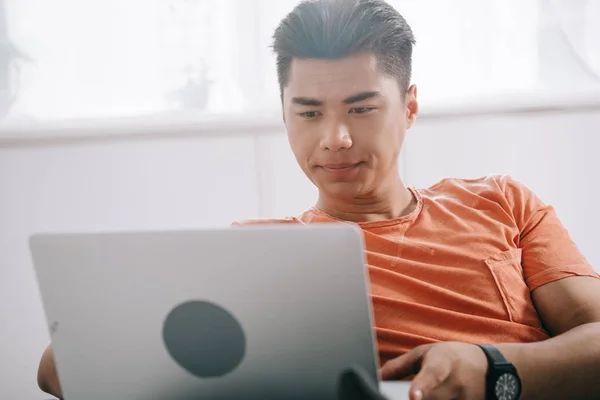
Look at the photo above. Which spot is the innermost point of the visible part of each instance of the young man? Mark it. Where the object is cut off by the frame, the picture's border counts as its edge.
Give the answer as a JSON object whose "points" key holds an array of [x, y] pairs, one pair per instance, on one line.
{"points": [[462, 263]]}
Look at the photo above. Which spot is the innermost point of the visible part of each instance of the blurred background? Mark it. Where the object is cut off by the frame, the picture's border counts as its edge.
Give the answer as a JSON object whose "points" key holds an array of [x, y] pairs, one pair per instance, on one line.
{"points": [[161, 114]]}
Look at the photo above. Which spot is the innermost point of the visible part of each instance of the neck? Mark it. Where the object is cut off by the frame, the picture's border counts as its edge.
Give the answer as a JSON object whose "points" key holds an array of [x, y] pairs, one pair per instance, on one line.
{"points": [[392, 202]]}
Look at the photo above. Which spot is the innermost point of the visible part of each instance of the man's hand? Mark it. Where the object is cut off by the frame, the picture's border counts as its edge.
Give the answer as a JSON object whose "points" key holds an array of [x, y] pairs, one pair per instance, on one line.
{"points": [[443, 371], [47, 375]]}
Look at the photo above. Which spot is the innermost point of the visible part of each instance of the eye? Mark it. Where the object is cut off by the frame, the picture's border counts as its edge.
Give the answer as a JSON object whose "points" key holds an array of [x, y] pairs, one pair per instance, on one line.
{"points": [[361, 110], [310, 114]]}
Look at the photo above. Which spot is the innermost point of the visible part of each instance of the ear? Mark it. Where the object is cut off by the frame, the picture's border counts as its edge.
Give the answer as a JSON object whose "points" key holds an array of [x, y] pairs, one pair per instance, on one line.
{"points": [[412, 105]]}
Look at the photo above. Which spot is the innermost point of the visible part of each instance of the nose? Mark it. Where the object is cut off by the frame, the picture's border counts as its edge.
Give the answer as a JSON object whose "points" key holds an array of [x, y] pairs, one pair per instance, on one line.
{"points": [[336, 137]]}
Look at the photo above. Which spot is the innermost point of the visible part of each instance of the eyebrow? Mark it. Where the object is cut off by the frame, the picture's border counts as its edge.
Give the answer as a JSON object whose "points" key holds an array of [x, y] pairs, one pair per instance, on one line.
{"points": [[360, 97], [306, 101]]}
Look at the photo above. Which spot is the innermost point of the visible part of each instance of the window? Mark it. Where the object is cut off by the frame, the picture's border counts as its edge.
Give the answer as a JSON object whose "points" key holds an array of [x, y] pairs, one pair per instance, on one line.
{"points": [[73, 59], [111, 57]]}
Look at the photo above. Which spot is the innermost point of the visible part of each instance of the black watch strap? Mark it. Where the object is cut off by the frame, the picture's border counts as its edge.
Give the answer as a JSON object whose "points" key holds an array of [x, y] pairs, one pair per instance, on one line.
{"points": [[500, 371], [493, 355]]}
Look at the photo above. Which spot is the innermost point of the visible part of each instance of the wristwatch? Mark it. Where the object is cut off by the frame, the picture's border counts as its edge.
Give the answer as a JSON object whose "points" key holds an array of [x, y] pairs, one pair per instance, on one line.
{"points": [[502, 381]]}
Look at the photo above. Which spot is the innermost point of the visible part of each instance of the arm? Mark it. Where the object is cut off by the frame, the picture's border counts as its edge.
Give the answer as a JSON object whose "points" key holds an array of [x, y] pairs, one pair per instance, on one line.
{"points": [[47, 376], [568, 365], [566, 293]]}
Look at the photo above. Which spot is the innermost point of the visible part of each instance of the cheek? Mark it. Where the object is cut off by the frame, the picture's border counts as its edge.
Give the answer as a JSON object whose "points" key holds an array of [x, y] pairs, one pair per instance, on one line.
{"points": [[385, 146], [392, 137], [300, 148]]}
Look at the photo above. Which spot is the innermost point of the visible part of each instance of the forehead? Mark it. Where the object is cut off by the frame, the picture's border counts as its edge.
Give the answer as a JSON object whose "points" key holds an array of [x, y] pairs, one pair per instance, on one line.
{"points": [[337, 79]]}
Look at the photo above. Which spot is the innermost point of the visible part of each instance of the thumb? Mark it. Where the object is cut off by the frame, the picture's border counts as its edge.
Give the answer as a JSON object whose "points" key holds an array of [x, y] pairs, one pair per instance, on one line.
{"points": [[405, 365]]}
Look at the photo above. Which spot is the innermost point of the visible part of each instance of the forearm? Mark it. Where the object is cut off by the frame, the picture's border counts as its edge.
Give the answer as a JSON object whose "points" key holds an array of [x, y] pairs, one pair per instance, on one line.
{"points": [[564, 367], [47, 375]]}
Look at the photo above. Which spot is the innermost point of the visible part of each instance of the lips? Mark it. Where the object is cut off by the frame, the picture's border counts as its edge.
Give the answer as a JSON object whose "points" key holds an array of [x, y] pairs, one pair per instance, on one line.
{"points": [[339, 167]]}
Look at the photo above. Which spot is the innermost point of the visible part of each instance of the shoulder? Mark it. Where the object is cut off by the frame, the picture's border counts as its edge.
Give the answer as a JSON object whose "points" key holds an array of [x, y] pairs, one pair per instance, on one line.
{"points": [[309, 216], [490, 185], [267, 221], [487, 193]]}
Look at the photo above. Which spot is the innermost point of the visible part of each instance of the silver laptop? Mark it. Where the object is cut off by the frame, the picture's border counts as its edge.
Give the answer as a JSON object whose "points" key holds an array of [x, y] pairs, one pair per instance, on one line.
{"points": [[262, 312]]}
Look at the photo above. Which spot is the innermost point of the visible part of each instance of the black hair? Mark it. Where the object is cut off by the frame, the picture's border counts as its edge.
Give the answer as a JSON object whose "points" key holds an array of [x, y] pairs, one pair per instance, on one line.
{"points": [[334, 29]]}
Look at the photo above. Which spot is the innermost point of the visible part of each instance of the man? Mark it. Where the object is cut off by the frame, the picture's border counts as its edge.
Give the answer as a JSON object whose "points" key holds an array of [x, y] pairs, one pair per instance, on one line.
{"points": [[462, 263]]}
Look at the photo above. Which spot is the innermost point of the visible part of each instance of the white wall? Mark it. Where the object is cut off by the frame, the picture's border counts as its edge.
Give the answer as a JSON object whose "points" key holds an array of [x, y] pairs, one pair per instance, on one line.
{"points": [[194, 182]]}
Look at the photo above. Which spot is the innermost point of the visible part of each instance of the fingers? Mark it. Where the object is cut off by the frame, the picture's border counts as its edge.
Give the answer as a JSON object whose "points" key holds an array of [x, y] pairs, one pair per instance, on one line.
{"points": [[445, 371], [443, 392], [403, 366], [433, 381]]}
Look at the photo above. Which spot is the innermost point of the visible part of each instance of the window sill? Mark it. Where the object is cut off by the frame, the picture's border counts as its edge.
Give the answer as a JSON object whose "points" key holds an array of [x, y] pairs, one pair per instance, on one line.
{"points": [[184, 125]]}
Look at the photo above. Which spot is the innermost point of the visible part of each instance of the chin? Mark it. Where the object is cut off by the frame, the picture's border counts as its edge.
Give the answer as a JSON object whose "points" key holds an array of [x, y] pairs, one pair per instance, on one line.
{"points": [[342, 190]]}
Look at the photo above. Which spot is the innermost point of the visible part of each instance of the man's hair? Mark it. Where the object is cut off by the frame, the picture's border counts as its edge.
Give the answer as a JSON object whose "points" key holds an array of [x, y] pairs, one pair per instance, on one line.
{"points": [[334, 29]]}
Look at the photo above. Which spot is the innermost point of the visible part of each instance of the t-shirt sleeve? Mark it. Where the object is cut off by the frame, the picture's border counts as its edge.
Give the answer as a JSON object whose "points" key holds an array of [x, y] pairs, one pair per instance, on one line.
{"points": [[549, 252]]}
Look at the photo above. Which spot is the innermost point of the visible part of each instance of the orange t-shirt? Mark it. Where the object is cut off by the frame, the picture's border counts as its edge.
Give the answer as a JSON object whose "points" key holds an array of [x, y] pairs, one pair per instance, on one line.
{"points": [[462, 265]]}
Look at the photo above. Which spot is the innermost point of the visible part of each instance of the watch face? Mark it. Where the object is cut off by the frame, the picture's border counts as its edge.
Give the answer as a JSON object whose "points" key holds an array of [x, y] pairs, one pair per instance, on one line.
{"points": [[507, 387]]}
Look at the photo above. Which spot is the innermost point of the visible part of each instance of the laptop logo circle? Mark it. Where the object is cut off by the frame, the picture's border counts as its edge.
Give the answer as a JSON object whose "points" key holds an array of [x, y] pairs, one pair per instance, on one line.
{"points": [[204, 339]]}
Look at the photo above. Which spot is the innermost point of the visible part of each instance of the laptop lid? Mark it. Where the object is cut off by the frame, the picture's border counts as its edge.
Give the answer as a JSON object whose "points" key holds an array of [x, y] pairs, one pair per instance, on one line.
{"points": [[246, 312]]}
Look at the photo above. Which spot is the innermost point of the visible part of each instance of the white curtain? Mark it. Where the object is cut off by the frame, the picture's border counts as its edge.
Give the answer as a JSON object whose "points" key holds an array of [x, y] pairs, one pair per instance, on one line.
{"points": [[100, 58]]}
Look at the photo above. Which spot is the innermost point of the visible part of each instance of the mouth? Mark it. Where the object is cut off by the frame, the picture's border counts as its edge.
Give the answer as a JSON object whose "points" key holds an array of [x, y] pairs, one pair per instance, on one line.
{"points": [[340, 167]]}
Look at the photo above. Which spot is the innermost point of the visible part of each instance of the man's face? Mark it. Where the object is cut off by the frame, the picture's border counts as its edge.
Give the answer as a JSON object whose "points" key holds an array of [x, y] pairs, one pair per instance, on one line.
{"points": [[346, 121]]}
